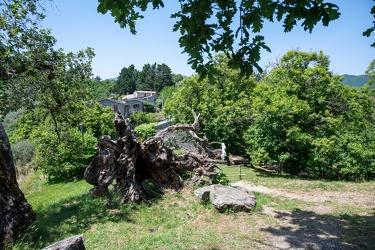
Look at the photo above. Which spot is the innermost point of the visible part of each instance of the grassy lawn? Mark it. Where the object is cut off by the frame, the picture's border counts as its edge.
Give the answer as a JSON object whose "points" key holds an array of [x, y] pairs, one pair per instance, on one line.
{"points": [[179, 220]]}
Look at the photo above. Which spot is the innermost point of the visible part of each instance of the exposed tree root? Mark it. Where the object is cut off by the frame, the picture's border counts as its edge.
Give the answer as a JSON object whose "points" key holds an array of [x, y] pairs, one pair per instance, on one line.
{"points": [[141, 170]]}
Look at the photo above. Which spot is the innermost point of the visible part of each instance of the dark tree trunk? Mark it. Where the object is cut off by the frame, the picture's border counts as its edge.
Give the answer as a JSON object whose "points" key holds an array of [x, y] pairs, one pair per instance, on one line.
{"points": [[15, 213], [143, 169]]}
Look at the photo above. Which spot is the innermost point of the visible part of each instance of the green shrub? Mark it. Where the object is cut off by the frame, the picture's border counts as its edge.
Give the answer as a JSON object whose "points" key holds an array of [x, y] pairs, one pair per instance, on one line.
{"points": [[139, 118], [149, 108], [23, 152], [64, 159], [23, 155], [220, 178], [145, 131]]}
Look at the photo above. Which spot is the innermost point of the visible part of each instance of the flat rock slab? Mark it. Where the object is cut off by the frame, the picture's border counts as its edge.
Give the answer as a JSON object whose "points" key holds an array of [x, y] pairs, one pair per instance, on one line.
{"points": [[71, 243], [225, 198]]}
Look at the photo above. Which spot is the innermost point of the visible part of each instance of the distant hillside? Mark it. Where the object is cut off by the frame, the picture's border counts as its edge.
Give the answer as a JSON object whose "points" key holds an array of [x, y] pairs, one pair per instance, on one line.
{"points": [[355, 81]]}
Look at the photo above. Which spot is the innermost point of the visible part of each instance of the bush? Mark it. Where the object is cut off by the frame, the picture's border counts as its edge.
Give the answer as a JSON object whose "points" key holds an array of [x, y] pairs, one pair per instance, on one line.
{"points": [[67, 158], [145, 131], [149, 108], [139, 118], [220, 178], [23, 155]]}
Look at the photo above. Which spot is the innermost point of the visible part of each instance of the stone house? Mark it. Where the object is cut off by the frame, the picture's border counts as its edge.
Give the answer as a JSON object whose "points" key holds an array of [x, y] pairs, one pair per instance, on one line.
{"points": [[117, 106], [141, 95], [134, 106], [125, 108]]}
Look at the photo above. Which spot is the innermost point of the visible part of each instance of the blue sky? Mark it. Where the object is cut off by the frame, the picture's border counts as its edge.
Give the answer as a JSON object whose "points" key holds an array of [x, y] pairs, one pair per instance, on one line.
{"points": [[77, 25]]}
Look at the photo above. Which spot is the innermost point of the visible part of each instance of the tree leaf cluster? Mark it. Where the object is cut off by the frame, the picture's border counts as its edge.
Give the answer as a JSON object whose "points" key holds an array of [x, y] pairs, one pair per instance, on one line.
{"points": [[231, 27], [25, 49], [369, 31]]}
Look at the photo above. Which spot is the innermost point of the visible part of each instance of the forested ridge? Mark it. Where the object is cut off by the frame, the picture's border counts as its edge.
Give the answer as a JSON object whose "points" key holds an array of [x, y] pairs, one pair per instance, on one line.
{"points": [[355, 80]]}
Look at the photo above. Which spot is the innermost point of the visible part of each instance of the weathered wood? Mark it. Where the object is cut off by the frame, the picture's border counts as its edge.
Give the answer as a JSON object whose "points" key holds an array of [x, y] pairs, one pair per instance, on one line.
{"points": [[15, 213], [134, 165]]}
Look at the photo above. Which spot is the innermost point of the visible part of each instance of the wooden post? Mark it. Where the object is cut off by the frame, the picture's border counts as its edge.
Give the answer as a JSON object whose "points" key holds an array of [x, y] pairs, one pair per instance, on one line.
{"points": [[240, 172]]}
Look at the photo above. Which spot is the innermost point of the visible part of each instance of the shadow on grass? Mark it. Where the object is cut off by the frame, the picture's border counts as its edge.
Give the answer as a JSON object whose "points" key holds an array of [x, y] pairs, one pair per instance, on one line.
{"points": [[258, 172], [72, 216], [308, 230], [271, 174]]}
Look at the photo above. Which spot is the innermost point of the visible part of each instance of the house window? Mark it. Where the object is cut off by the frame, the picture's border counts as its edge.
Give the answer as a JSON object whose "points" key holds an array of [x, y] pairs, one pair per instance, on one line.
{"points": [[115, 108], [136, 106]]}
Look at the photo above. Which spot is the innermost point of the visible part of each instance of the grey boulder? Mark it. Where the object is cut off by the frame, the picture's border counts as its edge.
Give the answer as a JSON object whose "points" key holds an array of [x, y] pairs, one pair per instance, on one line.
{"points": [[226, 198]]}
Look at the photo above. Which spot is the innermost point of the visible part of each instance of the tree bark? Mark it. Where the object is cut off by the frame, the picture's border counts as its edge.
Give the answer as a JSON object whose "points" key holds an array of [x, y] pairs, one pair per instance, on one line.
{"points": [[15, 213], [142, 170]]}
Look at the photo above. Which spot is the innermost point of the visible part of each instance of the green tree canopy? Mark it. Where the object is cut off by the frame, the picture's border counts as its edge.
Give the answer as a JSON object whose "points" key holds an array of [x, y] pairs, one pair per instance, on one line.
{"points": [[100, 89], [126, 81], [224, 104], [307, 120], [146, 77], [229, 26], [25, 50], [154, 77], [371, 73], [164, 77]]}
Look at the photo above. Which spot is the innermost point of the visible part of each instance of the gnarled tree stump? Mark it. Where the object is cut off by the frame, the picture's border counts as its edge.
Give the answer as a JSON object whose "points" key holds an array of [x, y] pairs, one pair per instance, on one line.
{"points": [[140, 169]]}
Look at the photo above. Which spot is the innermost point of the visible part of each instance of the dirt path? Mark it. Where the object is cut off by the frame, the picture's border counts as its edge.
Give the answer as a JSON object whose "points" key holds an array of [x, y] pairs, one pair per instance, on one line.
{"points": [[314, 228], [354, 199]]}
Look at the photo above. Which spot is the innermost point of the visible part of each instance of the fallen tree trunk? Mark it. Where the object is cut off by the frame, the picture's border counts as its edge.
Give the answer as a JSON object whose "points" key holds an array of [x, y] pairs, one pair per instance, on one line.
{"points": [[141, 170]]}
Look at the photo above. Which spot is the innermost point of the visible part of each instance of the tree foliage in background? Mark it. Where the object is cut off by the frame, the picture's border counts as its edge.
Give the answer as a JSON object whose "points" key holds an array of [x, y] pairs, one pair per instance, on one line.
{"points": [[232, 27], [307, 120], [99, 89], [154, 77], [147, 78], [299, 115], [224, 104], [371, 74], [126, 81], [164, 95], [164, 77]]}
